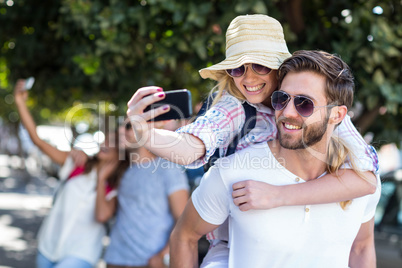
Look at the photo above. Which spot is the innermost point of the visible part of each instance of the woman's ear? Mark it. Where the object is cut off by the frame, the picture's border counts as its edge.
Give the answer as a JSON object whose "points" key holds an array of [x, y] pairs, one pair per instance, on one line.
{"points": [[337, 114]]}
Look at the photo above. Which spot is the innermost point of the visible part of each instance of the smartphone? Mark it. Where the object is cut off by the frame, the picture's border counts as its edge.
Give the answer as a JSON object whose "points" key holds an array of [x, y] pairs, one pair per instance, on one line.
{"points": [[180, 105], [29, 83]]}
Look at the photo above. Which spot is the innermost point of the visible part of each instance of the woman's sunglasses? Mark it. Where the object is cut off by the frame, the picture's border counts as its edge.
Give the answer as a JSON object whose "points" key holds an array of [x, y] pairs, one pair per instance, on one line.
{"points": [[240, 71], [303, 105]]}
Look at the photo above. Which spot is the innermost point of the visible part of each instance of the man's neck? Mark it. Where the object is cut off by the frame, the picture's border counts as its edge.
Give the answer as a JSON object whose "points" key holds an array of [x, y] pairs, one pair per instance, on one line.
{"points": [[308, 164]]}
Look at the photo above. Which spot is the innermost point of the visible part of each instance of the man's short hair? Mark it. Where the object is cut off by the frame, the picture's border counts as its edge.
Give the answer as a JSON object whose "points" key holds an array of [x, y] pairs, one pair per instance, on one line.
{"points": [[339, 79]]}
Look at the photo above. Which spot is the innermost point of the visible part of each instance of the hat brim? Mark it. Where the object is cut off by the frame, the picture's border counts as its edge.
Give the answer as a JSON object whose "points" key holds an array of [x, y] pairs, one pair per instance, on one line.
{"points": [[273, 61]]}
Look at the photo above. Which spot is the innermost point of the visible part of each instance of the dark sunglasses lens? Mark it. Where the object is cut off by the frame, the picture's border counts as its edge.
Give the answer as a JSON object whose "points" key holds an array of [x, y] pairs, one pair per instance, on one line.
{"points": [[236, 72], [260, 69], [279, 100], [304, 106], [128, 126]]}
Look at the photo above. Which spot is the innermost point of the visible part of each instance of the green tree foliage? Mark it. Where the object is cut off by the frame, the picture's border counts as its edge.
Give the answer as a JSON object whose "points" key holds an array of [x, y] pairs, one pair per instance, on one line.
{"points": [[93, 50]]}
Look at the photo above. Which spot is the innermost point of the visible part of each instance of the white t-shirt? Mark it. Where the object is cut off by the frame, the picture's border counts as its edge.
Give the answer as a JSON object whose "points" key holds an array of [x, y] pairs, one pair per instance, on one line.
{"points": [[293, 236], [70, 228]]}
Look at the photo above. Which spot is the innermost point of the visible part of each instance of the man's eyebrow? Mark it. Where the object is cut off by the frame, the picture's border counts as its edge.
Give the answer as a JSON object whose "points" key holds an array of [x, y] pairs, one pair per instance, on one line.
{"points": [[307, 96], [301, 95]]}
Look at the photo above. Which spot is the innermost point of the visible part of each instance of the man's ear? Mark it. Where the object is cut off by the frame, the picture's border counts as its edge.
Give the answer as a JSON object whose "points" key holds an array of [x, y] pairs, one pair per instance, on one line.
{"points": [[337, 114]]}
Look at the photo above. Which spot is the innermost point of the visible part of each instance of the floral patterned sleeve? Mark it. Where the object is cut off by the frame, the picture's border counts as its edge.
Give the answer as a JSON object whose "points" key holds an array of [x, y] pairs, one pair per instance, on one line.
{"points": [[365, 155], [217, 127]]}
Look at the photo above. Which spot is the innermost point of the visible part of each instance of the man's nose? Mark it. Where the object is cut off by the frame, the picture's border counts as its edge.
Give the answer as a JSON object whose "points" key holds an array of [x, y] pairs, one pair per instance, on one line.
{"points": [[290, 110]]}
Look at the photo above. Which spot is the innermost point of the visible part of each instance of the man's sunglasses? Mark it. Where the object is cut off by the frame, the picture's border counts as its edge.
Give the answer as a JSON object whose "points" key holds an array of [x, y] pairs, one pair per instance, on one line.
{"points": [[303, 105], [240, 71]]}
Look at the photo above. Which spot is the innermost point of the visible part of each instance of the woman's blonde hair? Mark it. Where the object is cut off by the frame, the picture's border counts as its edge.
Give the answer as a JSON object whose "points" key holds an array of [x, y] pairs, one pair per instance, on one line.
{"points": [[225, 83], [339, 154]]}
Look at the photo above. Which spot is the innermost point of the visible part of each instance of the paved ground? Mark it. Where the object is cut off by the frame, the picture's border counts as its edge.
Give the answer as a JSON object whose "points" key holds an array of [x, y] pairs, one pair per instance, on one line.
{"points": [[25, 200]]}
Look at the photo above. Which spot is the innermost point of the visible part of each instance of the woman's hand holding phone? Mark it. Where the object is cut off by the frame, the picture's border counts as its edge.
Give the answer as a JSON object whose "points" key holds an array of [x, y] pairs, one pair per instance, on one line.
{"points": [[179, 102], [180, 148], [150, 104], [20, 93], [142, 98]]}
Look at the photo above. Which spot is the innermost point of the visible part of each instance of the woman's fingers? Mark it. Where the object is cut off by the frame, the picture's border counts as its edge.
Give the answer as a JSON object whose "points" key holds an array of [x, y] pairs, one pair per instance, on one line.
{"points": [[139, 122], [135, 111], [151, 114], [20, 85], [19, 90], [142, 92], [142, 104]]}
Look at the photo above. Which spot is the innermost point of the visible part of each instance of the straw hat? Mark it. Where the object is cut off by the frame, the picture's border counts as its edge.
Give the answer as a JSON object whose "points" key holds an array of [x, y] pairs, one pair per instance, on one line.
{"points": [[251, 39]]}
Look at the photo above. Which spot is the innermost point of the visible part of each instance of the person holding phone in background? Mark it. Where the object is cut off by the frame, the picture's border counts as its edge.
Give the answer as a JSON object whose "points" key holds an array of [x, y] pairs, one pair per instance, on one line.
{"points": [[255, 48], [71, 234]]}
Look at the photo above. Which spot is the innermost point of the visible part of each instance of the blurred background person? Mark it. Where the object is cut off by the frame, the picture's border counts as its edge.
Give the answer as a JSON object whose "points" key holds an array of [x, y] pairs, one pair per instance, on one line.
{"points": [[70, 235], [151, 196]]}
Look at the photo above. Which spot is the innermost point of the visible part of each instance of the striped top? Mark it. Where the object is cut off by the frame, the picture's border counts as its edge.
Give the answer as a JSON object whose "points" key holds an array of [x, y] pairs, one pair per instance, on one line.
{"points": [[222, 122]]}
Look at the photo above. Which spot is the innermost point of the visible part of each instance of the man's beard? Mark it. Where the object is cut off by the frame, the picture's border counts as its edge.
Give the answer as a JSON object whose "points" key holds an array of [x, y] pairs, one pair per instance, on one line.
{"points": [[310, 135]]}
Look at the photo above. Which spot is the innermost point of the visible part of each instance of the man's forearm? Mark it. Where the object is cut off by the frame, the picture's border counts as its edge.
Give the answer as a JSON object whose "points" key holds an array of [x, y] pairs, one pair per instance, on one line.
{"points": [[362, 254], [363, 258], [183, 254], [184, 238]]}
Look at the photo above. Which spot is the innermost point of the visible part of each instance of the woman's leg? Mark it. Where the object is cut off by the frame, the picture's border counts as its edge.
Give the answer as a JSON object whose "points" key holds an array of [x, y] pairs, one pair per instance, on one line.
{"points": [[69, 262], [43, 262]]}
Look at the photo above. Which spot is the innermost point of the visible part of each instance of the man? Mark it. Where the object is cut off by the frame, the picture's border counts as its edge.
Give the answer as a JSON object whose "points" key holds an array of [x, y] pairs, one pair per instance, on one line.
{"points": [[316, 89]]}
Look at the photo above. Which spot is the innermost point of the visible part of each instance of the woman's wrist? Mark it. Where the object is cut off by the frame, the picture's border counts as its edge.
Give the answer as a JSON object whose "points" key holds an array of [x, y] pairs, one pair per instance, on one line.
{"points": [[282, 196], [101, 183], [19, 101]]}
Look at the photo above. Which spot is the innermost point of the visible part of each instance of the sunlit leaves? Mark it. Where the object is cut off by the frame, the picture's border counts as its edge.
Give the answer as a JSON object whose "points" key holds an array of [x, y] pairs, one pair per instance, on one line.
{"points": [[4, 72], [90, 50], [88, 63]]}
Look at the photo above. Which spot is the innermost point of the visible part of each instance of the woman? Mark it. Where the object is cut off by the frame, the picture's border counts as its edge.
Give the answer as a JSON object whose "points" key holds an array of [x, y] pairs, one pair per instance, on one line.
{"points": [[71, 235]]}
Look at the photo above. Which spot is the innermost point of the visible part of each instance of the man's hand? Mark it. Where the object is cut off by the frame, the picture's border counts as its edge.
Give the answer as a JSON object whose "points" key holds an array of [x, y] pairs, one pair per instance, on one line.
{"points": [[251, 194]]}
